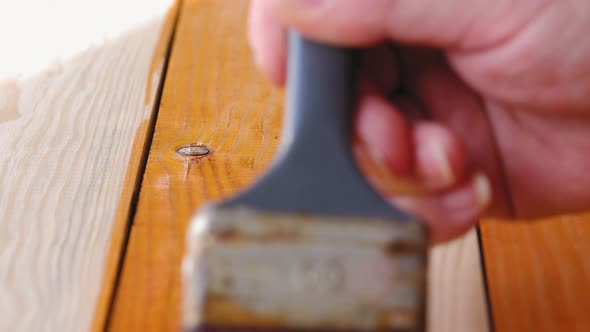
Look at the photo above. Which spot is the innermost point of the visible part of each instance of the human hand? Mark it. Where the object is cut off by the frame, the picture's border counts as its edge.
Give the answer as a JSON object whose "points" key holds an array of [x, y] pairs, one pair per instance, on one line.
{"points": [[482, 107]]}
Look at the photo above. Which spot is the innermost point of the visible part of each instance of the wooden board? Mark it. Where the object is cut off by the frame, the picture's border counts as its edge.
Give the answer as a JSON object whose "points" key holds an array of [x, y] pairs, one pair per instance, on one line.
{"points": [[539, 274], [78, 81], [457, 295], [213, 95]]}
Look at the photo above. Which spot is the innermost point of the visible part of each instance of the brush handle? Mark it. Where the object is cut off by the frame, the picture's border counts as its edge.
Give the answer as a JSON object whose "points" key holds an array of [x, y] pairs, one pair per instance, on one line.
{"points": [[320, 103], [315, 170]]}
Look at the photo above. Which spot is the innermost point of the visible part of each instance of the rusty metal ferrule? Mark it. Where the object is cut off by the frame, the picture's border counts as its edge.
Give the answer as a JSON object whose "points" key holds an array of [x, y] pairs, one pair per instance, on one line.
{"points": [[246, 268]]}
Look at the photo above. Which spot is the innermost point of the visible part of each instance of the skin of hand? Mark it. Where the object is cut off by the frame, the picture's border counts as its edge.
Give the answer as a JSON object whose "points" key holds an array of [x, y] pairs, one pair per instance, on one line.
{"points": [[482, 107]]}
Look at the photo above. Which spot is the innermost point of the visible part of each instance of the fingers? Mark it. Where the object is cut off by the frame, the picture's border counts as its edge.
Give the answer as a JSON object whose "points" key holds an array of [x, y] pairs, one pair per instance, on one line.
{"points": [[423, 164], [344, 22], [451, 103], [425, 154], [440, 157], [452, 213], [362, 23], [268, 42], [350, 22], [269, 46], [404, 154], [385, 135], [461, 27]]}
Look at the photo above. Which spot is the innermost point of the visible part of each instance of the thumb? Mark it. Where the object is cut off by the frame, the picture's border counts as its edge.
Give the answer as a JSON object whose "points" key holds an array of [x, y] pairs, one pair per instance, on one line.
{"points": [[458, 24]]}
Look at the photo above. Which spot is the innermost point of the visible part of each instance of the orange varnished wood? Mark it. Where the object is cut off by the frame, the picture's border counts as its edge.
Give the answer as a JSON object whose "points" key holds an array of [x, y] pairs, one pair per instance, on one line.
{"points": [[539, 274], [213, 95]]}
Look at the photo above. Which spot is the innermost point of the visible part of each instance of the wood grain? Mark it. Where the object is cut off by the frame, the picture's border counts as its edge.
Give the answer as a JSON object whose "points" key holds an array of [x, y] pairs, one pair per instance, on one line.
{"points": [[73, 109], [133, 174], [213, 95], [539, 273], [456, 288]]}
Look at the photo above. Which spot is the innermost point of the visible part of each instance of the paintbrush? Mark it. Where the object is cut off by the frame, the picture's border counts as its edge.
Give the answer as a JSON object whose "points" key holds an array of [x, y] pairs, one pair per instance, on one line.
{"points": [[311, 246]]}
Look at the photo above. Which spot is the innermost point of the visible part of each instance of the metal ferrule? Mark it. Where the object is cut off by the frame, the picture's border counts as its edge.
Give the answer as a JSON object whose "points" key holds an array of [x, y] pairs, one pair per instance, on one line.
{"points": [[245, 268]]}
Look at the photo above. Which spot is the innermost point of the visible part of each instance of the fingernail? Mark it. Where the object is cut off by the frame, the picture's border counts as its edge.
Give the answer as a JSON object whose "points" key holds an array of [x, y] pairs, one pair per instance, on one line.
{"points": [[470, 201], [482, 188], [441, 162]]}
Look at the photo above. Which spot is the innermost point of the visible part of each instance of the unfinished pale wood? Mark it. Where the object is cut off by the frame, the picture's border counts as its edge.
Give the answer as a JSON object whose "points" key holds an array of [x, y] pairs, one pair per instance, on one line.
{"points": [[133, 176], [539, 273], [78, 81], [457, 296], [214, 95]]}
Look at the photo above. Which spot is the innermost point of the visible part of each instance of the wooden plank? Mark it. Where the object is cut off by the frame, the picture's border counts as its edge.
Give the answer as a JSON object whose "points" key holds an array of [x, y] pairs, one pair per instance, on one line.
{"points": [[213, 95], [457, 295], [539, 273], [133, 174], [77, 90]]}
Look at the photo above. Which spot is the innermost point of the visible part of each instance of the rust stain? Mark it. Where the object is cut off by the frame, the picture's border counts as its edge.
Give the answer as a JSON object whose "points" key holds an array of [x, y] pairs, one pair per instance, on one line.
{"points": [[222, 311], [227, 234], [9, 97], [160, 51], [400, 320], [404, 247]]}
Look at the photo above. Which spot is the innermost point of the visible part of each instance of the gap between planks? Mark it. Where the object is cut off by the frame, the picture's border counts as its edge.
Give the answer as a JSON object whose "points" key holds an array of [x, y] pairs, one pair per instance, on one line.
{"points": [[134, 178]]}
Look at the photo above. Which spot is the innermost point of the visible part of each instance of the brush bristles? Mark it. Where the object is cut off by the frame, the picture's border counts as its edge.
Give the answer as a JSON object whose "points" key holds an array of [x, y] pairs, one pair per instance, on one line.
{"points": [[254, 270]]}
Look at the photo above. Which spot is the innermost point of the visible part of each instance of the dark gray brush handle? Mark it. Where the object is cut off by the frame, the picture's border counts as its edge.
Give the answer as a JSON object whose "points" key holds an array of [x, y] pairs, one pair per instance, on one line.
{"points": [[320, 97], [315, 171]]}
